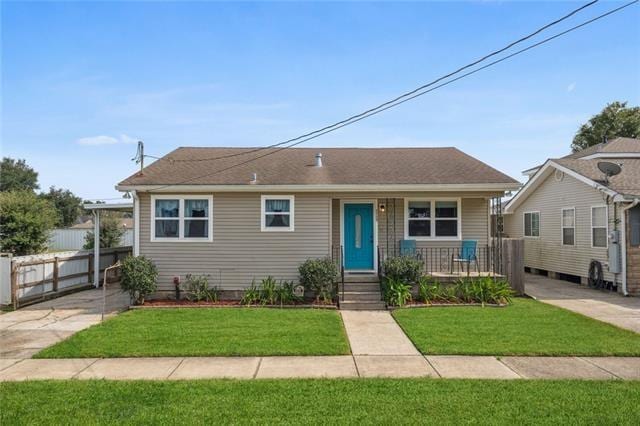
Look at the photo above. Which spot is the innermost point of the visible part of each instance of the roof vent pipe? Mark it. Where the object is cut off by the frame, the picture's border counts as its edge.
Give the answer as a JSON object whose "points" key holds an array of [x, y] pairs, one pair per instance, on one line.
{"points": [[254, 178], [319, 159]]}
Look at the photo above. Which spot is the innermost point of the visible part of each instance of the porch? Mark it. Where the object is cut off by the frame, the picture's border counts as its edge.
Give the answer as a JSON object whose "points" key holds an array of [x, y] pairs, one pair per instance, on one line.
{"points": [[432, 227]]}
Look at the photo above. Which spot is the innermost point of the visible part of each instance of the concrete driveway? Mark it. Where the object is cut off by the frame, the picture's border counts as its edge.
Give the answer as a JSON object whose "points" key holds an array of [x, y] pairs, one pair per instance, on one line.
{"points": [[28, 330], [613, 308]]}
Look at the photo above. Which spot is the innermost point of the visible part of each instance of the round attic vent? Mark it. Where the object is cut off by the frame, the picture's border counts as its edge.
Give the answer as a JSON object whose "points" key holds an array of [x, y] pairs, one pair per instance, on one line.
{"points": [[559, 175]]}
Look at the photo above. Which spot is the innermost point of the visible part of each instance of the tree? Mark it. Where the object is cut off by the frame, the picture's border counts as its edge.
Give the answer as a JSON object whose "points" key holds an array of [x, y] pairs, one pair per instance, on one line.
{"points": [[615, 120], [25, 222], [110, 232], [16, 175], [69, 206]]}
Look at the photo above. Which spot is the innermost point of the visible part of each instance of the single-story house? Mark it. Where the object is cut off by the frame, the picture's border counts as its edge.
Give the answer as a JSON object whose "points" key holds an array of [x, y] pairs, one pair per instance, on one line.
{"points": [[571, 214], [212, 211]]}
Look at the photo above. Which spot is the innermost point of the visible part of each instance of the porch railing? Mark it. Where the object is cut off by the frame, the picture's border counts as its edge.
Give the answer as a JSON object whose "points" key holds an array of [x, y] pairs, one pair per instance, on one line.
{"points": [[337, 255], [442, 259]]}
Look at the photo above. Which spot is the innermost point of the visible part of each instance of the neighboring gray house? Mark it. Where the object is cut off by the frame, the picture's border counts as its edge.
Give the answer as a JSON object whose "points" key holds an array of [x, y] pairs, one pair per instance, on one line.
{"points": [[570, 215], [201, 210]]}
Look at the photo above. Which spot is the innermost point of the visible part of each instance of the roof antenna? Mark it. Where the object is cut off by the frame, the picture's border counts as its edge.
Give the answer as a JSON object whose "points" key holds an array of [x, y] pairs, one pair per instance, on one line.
{"points": [[139, 158]]}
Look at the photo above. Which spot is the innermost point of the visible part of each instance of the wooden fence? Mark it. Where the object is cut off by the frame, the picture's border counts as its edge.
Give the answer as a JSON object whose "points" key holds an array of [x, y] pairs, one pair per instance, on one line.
{"points": [[41, 277]]}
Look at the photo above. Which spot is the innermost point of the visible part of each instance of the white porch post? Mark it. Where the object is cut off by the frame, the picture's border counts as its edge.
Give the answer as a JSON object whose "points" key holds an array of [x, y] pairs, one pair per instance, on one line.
{"points": [[96, 248]]}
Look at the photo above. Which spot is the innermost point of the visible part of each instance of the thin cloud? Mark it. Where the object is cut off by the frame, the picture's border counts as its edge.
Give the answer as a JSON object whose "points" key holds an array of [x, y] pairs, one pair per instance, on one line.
{"points": [[571, 87], [106, 140]]}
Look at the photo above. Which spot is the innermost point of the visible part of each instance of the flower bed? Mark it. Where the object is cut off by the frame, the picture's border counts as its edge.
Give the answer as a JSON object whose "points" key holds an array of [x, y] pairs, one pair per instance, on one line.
{"points": [[172, 303], [447, 305]]}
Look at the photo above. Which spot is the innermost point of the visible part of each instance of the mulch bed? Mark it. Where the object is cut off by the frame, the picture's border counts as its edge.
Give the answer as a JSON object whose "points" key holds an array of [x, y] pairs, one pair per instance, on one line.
{"points": [[183, 303], [447, 305]]}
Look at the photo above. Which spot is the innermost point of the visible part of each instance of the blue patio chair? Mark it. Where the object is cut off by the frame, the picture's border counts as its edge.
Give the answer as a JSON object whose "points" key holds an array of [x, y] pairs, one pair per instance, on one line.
{"points": [[408, 248], [467, 254]]}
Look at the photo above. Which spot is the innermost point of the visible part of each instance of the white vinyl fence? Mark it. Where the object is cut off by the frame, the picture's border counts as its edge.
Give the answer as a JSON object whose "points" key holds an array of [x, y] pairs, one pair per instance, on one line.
{"points": [[73, 239], [26, 279]]}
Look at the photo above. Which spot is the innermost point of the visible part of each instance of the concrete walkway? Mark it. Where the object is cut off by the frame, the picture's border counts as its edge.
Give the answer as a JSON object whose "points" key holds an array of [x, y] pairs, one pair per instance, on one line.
{"points": [[376, 333], [613, 308], [28, 330], [481, 367]]}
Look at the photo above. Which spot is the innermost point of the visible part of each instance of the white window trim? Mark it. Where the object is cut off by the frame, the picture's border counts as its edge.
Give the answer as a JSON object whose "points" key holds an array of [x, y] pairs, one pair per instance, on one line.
{"points": [[181, 218], [263, 225], [562, 227], [606, 225], [433, 218], [524, 227]]}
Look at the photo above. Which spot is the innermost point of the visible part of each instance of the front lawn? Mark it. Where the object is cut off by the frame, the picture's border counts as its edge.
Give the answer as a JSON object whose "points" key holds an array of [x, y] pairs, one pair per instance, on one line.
{"points": [[526, 327], [379, 401], [208, 332]]}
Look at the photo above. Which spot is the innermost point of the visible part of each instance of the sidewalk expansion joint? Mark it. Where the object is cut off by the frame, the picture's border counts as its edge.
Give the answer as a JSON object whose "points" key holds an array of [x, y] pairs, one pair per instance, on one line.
{"points": [[177, 366], [255, 373]]}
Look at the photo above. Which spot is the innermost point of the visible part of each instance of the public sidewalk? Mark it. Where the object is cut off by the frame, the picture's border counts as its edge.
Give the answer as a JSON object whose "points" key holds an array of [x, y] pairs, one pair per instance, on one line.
{"points": [[364, 366]]}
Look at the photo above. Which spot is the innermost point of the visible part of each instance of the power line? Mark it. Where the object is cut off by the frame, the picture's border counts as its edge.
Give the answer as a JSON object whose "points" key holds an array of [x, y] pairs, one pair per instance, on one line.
{"points": [[415, 95], [382, 105]]}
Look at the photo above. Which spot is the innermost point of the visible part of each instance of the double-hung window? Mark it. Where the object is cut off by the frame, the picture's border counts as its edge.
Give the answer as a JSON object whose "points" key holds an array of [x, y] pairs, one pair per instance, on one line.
{"points": [[277, 213], [532, 224], [568, 226], [432, 219], [181, 218], [599, 221]]}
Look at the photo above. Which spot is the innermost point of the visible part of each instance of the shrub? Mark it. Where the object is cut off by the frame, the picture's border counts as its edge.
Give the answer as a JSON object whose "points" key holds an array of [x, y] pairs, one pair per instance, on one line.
{"points": [[139, 277], [25, 222], [485, 290], [319, 275], [479, 290], [429, 290], [286, 293], [110, 233], [251, 295], [404, 268], [198, 287], [269, 291], [396, 292]]}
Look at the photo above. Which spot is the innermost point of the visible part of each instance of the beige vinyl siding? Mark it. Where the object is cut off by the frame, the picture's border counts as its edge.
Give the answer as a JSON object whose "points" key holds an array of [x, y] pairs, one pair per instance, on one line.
{"points": [[547, 252], [240, 252]]}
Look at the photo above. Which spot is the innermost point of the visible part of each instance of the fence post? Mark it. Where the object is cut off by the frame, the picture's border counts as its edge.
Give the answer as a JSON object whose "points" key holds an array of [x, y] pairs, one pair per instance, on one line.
{"points": [[55, 274], [90, 269], [513, 263], [14, 284]]}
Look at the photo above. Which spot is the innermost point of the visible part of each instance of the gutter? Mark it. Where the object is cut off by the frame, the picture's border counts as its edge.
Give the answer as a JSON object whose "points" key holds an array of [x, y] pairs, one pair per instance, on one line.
{"points": [[471, 187], [623, 225]]}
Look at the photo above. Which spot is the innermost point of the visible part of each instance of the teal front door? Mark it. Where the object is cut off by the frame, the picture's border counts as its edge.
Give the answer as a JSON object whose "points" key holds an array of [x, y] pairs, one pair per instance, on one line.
{"points": [[358, 236]]}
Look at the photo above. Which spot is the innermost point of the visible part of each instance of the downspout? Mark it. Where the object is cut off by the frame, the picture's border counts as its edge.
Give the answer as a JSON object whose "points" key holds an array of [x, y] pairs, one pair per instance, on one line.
{"points": [[96, 248], [623, 213], [136, 223]]}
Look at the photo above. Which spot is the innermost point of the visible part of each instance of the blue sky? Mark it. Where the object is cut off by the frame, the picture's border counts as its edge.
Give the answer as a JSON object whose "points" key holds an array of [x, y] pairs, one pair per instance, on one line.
{"points": [[81, 82]]}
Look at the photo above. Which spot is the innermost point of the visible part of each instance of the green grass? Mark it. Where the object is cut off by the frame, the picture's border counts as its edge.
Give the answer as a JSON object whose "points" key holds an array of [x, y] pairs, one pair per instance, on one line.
{"points": [[527, 327], [208, 332], [379, 401]]}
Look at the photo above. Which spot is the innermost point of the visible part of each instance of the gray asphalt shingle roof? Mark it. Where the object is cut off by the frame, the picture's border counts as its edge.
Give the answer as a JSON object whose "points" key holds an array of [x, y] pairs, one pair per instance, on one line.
{"points": [[340, 166]]}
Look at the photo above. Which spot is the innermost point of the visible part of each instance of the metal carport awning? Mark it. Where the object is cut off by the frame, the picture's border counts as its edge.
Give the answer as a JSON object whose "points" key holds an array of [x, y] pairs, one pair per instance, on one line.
{"points": [[95, 210]]}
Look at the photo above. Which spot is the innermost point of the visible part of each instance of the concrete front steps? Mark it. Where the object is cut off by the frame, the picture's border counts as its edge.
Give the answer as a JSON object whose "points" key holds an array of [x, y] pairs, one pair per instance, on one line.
{"points": [[361, 293]]}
